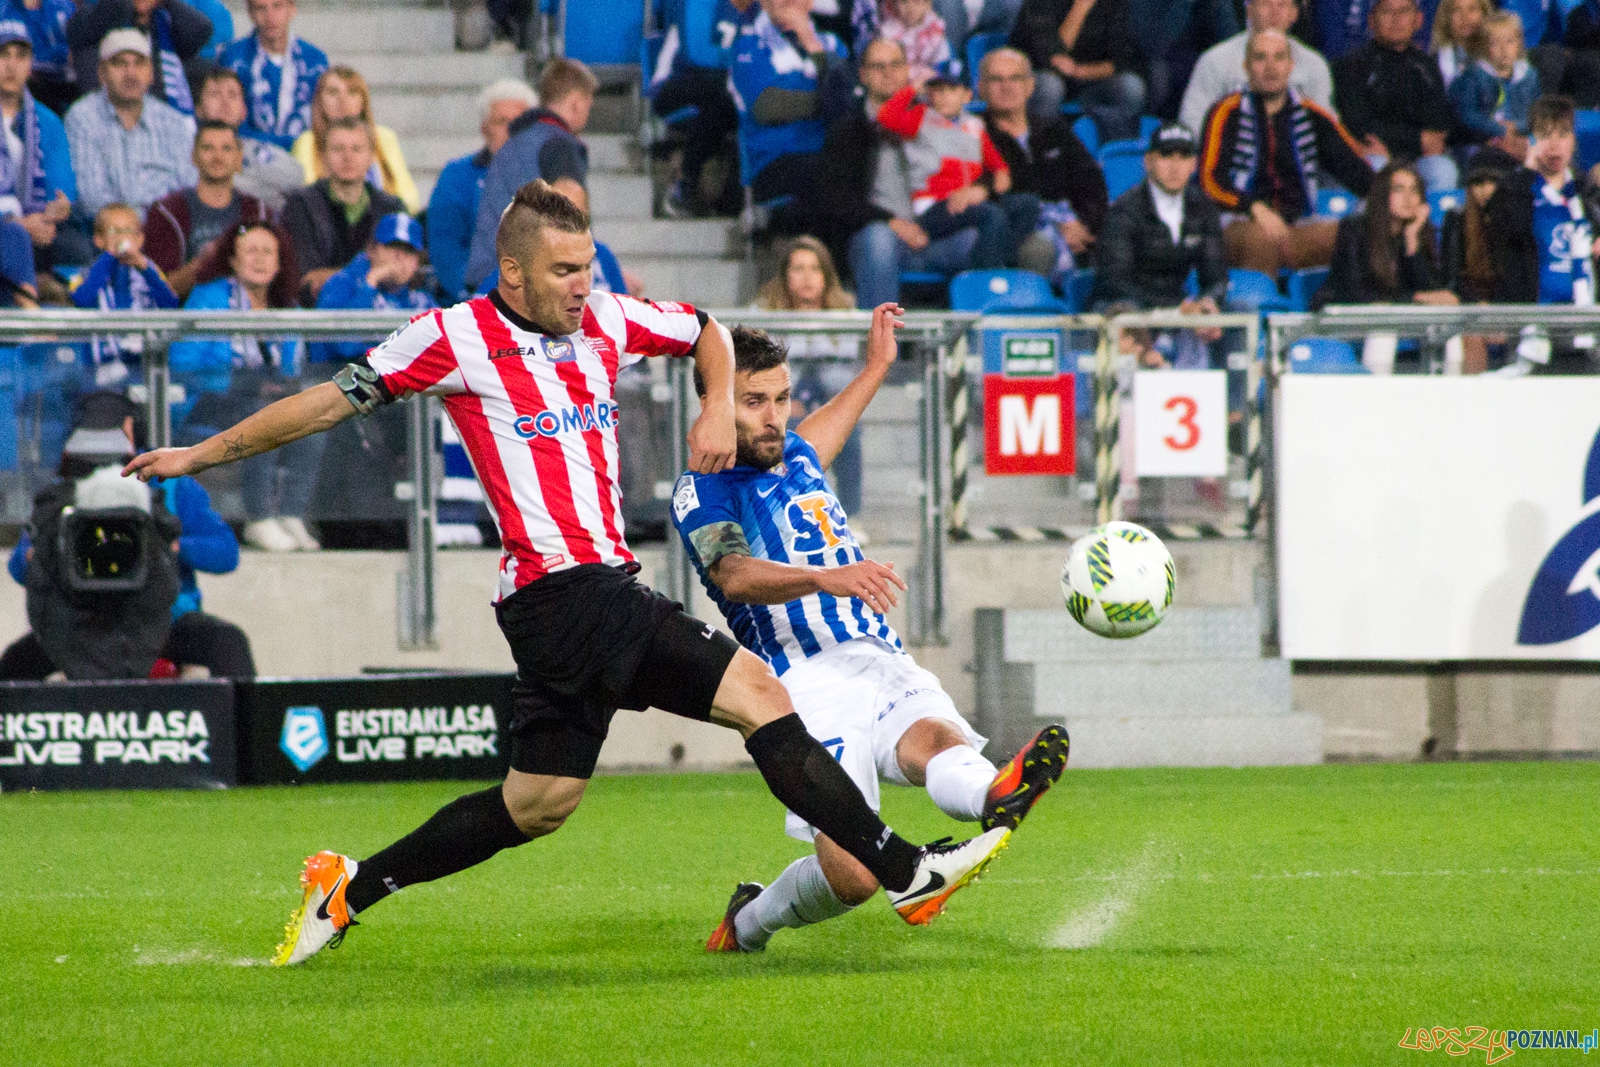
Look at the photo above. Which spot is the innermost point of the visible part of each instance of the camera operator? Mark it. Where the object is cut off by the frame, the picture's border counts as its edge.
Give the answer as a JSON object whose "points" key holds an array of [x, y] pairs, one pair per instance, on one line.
{"points": [[156, 629]]}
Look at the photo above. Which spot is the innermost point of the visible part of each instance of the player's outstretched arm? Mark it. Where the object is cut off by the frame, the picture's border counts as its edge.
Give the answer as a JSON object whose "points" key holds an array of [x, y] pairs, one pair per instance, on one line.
{"points": [[747, 580], [319, 408], [830, 426], [713, 441]]}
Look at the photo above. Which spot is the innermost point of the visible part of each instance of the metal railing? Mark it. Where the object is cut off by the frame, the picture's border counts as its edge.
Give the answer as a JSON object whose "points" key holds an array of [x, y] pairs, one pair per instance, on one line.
{"points": [[935, 346], [416, 614]]}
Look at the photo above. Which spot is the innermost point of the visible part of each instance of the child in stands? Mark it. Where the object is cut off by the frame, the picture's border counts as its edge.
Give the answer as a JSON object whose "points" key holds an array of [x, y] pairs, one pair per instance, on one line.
{"points": [[958, 178], [122, 279]]}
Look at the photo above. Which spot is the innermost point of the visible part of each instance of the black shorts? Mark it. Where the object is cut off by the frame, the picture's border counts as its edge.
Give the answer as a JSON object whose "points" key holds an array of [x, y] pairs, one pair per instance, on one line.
{"points": [[593, 639]]}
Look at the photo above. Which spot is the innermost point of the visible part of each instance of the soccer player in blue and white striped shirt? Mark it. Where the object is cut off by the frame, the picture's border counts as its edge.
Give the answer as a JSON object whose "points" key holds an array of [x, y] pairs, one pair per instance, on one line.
{"points": [[774, 550]]}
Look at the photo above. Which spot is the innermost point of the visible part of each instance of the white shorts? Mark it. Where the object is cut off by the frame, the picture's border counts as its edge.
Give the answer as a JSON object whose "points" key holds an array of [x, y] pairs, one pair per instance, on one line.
{"points": [[858, 699]]}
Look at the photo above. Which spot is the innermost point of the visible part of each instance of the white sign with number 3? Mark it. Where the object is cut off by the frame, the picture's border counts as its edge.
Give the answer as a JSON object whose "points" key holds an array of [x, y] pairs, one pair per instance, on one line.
{"points": [[1180, 423]]}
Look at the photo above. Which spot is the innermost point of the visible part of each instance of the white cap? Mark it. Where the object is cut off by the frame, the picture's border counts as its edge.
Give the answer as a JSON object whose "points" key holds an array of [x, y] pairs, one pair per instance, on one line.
{"points": [[124, 40]]}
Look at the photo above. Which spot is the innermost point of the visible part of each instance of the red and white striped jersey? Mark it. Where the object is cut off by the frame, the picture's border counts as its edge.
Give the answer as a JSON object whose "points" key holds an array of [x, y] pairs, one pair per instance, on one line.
{"points": [[538, 416]]}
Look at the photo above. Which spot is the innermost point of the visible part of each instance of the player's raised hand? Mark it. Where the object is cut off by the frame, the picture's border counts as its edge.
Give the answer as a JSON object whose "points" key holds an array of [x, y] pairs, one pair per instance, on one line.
{"points": [[161, 463], [713, 440], [881, 345], [869, 581]]}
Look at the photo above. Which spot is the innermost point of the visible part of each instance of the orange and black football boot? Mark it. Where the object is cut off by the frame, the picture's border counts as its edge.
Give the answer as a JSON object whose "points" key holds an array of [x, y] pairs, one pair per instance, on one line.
{"points": [[725, 938], [1020, 783]]}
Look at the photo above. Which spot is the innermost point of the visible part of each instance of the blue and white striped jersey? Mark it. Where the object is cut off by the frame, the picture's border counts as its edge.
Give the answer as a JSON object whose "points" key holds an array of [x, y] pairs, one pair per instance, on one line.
{"points": [[788, 515]]}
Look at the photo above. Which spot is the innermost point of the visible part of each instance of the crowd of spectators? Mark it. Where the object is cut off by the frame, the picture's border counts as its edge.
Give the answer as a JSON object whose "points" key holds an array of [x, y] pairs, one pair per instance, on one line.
{"points": [[1276, 136], [151, 159]]}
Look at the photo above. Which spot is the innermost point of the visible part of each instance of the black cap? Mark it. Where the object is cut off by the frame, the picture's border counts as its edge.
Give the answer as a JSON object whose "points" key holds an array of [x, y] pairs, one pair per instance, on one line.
{"points": [[948, 73], [1174, 139]]}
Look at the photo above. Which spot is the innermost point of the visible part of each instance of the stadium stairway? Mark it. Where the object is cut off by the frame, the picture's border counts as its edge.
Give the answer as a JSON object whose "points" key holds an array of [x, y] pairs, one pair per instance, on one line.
{"points": [[426, 91], [1193, 692]]}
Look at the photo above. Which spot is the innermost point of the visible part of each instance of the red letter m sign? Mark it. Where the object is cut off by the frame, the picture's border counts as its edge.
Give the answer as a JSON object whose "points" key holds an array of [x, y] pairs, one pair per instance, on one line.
{"points": [[1028, 425]]}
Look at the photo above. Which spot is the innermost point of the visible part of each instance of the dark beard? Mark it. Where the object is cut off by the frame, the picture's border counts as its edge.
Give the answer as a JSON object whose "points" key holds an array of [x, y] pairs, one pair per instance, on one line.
{"points": [[748, 454]]}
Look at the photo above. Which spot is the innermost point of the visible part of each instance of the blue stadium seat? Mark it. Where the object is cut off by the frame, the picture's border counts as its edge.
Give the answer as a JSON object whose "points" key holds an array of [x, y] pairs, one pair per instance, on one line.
{"points": [[699, 34], [1078, 289], [1335, 203], [1004, 290], [1087, 132], [1324, 355], [1303, 285], [1250, 290], [1123, 164], [1586, 123], [978, 46], [1148, 125], [602, 34], [1442, 201]]}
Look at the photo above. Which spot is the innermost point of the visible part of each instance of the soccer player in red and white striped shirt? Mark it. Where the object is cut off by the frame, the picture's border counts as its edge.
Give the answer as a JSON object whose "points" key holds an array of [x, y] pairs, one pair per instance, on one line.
{"points": [[527, 375]]}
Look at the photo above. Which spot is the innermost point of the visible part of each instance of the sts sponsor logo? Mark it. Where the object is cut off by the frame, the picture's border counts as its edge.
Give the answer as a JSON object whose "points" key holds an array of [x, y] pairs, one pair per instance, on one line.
{"points": [[305, 737], [1564, 600], [817, 523]]}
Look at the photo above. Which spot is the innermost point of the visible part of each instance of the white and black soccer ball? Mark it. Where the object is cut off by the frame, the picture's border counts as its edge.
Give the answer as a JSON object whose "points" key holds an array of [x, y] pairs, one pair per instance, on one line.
{"points": [[1118, 580]]}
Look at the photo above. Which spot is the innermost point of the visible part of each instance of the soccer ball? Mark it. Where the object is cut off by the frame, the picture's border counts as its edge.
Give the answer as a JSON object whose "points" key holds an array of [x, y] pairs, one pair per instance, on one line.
{"points": [[1118, 580]]}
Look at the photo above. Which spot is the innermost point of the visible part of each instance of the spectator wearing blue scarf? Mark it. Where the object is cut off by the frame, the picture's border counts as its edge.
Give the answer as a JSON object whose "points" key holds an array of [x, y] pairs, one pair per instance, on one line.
{"points": [[177, 33], [53, 81], [279, 72], [37, 186], [122, 279]]}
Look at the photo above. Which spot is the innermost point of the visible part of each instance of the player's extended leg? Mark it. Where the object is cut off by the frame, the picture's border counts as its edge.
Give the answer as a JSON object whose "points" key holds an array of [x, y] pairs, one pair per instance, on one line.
{"points": [[802, 774], [813, 786], [812, 889], [934, 753], [462, 834]]}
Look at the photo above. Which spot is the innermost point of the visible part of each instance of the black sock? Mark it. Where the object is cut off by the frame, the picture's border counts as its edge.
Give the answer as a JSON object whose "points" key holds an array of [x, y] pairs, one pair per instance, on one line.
{"points": [[463, 833], [811, 784]]}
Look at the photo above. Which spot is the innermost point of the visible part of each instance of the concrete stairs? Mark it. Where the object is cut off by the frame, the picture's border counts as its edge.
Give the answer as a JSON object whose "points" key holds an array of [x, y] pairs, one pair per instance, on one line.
{"points": [[1194, 692], [426, 91]]}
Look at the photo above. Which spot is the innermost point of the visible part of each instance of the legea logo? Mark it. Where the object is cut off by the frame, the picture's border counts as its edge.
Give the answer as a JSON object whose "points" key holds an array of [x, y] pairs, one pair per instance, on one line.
{"points": [[1564, 599], [305, 737]]}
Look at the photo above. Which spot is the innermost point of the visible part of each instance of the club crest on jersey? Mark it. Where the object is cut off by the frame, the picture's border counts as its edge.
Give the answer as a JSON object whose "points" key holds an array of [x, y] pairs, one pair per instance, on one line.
{"points": [[549, 423], [817, 522]]}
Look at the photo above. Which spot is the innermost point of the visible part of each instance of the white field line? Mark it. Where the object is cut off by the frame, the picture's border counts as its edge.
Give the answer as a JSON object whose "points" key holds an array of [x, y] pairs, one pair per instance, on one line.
{"points": [[188, 957], [1088, 926]]}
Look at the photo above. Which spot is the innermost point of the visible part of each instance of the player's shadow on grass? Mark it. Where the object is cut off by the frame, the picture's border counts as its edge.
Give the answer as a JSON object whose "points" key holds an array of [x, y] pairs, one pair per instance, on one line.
{"points": [[696, 964]]}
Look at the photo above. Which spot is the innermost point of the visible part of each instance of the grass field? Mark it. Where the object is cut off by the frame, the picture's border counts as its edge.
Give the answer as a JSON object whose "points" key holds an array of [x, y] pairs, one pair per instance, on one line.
{"points": [[1296, 916]]}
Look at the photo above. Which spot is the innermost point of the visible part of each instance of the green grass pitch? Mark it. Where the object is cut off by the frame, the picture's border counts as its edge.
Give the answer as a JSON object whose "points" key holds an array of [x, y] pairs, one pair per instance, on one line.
{"points": [[1287, 916]]}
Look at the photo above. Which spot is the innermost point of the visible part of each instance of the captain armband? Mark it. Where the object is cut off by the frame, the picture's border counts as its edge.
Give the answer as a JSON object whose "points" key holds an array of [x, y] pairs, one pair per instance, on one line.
{"points": [[362, 387], [715, 540]]}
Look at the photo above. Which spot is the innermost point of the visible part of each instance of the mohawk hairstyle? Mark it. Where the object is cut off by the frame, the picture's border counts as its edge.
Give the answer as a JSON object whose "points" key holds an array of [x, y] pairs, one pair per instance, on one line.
{"points": [[536, 206]]}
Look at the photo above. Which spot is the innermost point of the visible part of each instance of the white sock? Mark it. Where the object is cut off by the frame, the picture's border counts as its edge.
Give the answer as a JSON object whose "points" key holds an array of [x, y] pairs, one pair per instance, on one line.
{"points": [[798, 897], [959, 780]]}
